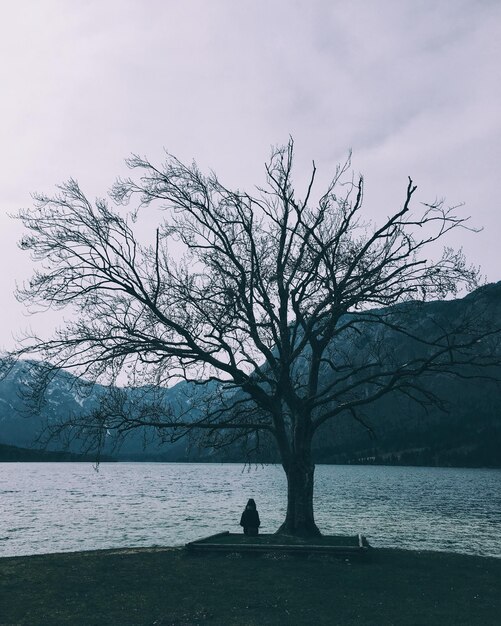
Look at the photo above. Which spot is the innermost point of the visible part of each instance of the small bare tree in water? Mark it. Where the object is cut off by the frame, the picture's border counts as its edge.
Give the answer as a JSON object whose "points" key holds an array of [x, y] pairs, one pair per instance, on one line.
{"points": [[294, 308]]}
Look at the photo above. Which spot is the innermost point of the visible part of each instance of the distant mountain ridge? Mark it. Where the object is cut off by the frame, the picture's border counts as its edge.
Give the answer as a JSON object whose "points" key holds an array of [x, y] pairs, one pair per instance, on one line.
{"points": [[16, 454], [68, 396], [468, 434]]}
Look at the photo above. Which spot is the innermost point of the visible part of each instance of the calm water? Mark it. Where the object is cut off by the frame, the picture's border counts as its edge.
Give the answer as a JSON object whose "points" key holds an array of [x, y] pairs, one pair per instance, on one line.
{"points": [[55, 507]]}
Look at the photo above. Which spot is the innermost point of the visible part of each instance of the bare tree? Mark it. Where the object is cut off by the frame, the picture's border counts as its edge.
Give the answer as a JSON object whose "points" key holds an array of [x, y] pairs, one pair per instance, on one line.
{"points": [[293, 308]]}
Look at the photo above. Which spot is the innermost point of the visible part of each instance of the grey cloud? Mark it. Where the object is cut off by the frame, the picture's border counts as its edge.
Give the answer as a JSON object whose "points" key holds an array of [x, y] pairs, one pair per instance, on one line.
{"points": [[411, 87]]}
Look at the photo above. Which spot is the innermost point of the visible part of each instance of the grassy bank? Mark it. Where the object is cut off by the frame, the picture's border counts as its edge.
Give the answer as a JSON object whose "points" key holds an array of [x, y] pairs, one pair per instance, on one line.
{"points": [[171, 587]]}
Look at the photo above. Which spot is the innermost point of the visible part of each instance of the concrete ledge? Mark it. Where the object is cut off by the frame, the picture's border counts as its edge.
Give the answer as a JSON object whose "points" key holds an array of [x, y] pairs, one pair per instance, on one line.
{"points": [[231, 542]]}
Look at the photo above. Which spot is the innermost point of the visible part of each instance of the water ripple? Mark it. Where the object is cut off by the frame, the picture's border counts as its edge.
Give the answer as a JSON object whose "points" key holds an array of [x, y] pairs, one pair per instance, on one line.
{"points": [[57, 507]]}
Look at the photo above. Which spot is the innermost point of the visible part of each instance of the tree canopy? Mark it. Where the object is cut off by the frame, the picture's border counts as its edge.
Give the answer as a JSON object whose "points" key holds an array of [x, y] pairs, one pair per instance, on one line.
{"points": [[262, 295]]}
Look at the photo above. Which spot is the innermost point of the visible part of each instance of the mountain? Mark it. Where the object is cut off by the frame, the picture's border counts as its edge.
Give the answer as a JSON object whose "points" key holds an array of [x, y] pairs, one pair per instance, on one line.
{"points": [[15, 454], [21, 425], [18, 425], [467, 432]]}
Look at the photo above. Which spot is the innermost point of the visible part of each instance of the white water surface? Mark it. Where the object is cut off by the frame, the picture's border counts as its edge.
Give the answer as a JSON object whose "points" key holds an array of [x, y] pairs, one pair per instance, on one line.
{"points": [[58, 507]]}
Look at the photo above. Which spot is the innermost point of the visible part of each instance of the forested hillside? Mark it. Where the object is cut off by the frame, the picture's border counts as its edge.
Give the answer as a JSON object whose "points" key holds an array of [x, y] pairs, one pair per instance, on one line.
{"points": [[464, 430]]}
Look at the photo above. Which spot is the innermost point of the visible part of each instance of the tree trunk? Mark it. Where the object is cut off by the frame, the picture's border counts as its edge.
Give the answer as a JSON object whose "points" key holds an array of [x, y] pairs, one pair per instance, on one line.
{"points": [[299, 519]]}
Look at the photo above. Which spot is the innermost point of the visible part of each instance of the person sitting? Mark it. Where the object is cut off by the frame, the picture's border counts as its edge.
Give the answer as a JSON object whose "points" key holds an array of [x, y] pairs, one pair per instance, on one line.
{"points": [[250, 519]]}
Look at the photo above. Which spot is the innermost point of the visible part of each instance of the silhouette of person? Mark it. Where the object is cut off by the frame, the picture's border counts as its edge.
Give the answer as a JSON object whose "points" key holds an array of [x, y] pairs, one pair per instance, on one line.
{"points": [[250, 519]]}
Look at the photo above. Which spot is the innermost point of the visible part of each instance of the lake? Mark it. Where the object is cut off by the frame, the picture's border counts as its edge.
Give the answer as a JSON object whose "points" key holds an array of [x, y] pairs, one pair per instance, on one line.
{"points": [[56, 507]]}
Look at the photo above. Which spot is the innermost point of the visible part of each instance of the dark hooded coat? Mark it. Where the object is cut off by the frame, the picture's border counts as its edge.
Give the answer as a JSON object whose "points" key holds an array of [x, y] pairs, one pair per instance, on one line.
{"points": [[250, 518]]}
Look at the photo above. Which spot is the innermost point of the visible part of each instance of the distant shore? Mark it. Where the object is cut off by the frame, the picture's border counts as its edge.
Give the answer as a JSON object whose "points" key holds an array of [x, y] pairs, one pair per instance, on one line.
{"points": [[14, 454], [168, 586]]}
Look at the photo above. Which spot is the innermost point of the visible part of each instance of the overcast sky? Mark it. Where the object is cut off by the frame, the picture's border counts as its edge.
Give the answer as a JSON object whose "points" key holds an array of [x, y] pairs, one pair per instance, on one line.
{"points": [[413, 87]]}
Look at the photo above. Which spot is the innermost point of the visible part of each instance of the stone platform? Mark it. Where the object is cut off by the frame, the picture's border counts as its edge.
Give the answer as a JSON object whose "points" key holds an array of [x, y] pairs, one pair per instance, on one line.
{"points": [[355, 545]]}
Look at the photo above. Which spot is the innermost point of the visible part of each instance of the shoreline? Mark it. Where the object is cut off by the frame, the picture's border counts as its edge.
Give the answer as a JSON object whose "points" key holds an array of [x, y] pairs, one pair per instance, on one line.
{"points": [[168, 585], [59, 458], [182, 547]]}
